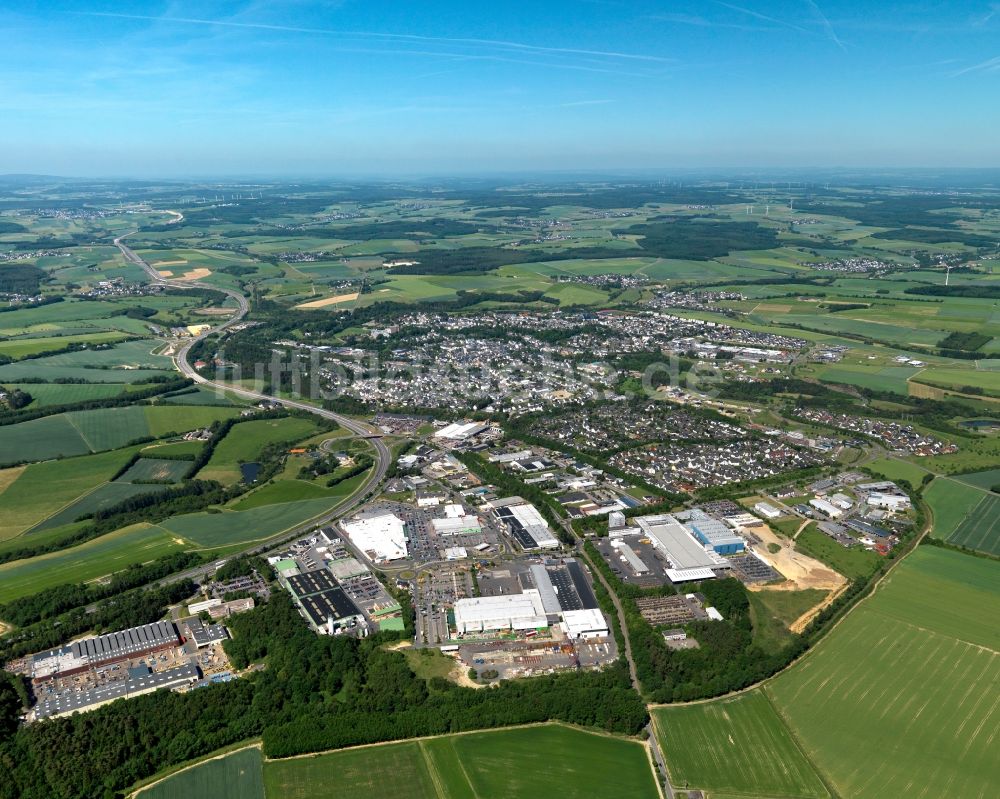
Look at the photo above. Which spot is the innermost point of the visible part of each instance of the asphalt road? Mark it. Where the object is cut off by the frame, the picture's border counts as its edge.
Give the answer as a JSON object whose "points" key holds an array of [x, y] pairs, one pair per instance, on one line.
{"points": [[382, 455]]}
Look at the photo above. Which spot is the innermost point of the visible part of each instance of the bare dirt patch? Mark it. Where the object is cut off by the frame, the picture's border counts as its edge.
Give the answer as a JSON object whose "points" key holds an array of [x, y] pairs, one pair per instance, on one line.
{"points": [[175, 262], [196, 274], [803, 621], [800, 570]]}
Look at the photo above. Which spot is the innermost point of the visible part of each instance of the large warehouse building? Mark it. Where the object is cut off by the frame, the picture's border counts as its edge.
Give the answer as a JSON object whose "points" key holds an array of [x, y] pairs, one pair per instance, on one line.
{"points": [[382, 538], [688, 558], [711, 532], [138, 682], [322, 602], [104, 649], [524, 523], [506, 612]]}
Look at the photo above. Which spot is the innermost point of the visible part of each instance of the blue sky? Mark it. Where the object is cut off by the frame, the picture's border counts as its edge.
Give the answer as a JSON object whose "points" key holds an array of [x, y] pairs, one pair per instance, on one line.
{"points": [[291, 87]]}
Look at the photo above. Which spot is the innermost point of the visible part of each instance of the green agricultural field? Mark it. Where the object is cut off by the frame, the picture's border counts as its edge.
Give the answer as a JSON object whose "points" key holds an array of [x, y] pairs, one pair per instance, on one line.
{"points": [[163, 419], [79, 432], [127, 362], [244, 442], [985, 479], [525, 763], [172, 448], [283, 491], [41, 439], [228, 528], [234, 776], [41, 489], [888, 378], [951, 502], [981, 528], [852, 563], [102, 497], [394, 770], [200, 396], [957, 379], [156, 469], [901, 698], [108, 428], [16, 349], [138, 543], [45, 394], [582, 266], [737, 745]]}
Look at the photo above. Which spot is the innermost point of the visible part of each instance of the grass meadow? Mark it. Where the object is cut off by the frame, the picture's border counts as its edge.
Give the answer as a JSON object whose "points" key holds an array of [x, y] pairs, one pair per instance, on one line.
{"points": [[80, 432], [245, 441], [230, 527], [980, 530], [852, 563], [951, 501]]}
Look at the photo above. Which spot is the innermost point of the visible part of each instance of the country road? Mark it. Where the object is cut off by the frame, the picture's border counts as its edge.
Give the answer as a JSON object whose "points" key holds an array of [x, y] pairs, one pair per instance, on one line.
{"points": [[383, 457]]}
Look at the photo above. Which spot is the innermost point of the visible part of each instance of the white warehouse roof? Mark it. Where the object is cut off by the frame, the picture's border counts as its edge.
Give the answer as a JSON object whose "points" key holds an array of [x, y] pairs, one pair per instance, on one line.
{"points": [[584, 623], [382, 538], [459, 430], [681, 548], [505, 612]]}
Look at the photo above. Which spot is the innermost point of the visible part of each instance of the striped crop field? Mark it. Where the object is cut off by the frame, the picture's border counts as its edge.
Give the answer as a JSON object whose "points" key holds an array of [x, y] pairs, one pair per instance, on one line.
{"points": [[903, 697], [980, 530], [235, 776], [738, 745]]}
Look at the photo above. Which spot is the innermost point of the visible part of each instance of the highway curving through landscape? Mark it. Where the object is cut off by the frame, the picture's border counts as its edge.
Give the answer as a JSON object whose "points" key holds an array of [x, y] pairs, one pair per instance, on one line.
{"points": [[383, 457]]}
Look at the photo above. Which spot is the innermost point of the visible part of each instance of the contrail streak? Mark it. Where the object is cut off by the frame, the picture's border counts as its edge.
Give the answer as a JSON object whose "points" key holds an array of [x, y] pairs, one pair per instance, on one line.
{"points": [[391, 36]]}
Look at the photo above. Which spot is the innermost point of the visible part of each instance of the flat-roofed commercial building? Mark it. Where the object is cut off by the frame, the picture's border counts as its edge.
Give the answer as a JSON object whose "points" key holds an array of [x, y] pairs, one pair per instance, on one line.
{"points": [[826, 508], [382, 538], [712, 533], [689, 559], [505, 612], [136, 685], [103, 649], [588, 623], [323, 603], [526, 525]]}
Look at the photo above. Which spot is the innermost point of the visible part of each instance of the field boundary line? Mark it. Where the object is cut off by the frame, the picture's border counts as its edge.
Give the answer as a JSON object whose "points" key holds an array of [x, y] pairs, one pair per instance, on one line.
{"points": [[486, 730], [79, 432], [663, 751], [59, 510], [827, 783], [432, 771], [947, 637]]}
